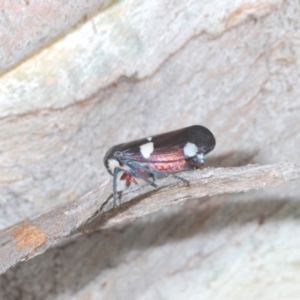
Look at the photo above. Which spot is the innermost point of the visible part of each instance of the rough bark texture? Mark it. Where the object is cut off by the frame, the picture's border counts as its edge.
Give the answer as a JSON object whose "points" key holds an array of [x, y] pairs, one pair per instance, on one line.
{"points": [[133, 69], [33, 236], [28, 25]]}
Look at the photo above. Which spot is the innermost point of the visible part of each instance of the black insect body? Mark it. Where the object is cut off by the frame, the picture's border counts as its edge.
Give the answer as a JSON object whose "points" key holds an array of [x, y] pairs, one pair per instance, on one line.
{"points": [[159, 155]]}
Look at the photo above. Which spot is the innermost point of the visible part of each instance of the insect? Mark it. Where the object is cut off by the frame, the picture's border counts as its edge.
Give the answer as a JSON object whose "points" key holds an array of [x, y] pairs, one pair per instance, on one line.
{"points": [[158, 156]]}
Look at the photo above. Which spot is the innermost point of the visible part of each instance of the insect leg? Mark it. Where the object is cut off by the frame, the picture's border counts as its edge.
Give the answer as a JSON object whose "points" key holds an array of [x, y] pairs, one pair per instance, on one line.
{"points": [[116, 172], [133, 173], [152, 172], [181, 179], [127, 184]]}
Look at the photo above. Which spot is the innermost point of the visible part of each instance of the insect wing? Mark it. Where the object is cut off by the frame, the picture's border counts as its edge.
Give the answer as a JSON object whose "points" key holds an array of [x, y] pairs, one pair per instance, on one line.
{"points": [[172, 146]]}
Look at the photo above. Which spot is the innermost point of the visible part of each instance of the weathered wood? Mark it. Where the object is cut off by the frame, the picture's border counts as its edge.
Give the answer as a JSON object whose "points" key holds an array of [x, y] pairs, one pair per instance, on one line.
{"points": [[64, 107], [34, 235], [28, 25], [134, 69]]}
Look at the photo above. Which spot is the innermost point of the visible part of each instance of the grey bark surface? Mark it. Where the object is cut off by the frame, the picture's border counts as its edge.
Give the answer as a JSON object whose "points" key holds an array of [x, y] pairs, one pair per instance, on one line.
{"points": [[128, 70], [33, 236], [30, 24]]}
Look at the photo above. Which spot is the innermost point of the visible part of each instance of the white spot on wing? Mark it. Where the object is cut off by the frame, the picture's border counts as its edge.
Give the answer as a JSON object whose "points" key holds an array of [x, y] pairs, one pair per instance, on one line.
{"points": [[147, 149], [149, 138], [112, 164], [190, 149]]}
